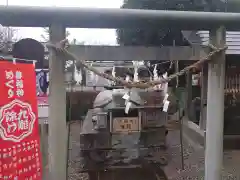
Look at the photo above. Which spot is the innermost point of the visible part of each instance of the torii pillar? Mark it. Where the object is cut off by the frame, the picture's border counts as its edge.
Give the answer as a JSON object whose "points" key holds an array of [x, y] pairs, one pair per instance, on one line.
{"points": [[57, 109], [215, 108]]}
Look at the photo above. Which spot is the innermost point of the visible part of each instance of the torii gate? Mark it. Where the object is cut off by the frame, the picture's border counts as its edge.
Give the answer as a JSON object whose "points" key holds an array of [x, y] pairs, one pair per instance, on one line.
{"points": [[60, 18]]}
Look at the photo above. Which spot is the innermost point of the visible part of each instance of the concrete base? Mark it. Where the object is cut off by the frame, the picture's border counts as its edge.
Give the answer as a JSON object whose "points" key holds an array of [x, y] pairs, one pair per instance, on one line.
{"points": [[194, 134]]}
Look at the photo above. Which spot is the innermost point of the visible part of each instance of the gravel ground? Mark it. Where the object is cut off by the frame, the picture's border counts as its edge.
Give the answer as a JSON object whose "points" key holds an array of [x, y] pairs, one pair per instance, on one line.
{"points": [[193, 159], [74, 146]]}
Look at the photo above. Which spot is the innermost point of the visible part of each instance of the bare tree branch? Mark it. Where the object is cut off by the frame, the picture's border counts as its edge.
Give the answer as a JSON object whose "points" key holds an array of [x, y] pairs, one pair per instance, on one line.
{"points": [[7, 37]]}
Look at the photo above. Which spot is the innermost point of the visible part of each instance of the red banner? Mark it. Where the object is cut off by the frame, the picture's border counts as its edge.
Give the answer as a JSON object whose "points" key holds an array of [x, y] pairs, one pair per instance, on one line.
{"points": [[20, 157]]}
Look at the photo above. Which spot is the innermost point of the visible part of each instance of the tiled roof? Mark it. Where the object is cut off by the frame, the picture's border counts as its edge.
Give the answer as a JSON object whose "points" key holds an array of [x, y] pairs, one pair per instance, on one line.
{"points": [[232, 40], [202, 37]]}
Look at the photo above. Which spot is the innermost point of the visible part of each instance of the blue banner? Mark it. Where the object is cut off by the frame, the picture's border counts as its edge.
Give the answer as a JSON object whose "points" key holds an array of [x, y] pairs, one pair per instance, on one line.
{"points": [[42, 82]]}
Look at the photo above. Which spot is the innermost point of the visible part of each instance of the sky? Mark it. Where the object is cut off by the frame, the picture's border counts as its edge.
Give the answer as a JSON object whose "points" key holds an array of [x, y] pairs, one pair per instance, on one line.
{"points": [[89, 36]]}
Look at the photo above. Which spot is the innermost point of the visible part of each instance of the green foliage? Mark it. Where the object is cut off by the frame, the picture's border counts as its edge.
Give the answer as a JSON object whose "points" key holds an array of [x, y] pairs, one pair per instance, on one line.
{"points": [[165, 35]]}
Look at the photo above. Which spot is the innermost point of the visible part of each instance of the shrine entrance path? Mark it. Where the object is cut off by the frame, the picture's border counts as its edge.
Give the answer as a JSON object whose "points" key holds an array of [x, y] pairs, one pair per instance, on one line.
{"points": [[193, 159]]}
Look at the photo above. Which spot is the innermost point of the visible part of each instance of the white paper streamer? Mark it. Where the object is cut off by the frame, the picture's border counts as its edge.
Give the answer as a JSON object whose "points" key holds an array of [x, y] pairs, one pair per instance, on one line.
{"points": [[136, 65], [165, 97], [165, 89], [127, 79], [92, 75], [77, 75], [109, 82], [113, 72], [126, 96], [114, 75], [128, 106], [135, 76], [155, 76], [166, 105]]}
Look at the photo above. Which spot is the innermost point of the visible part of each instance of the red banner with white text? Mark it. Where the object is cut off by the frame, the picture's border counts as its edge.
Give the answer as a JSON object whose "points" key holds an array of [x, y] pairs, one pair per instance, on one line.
{"points": [[20, 157]]}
